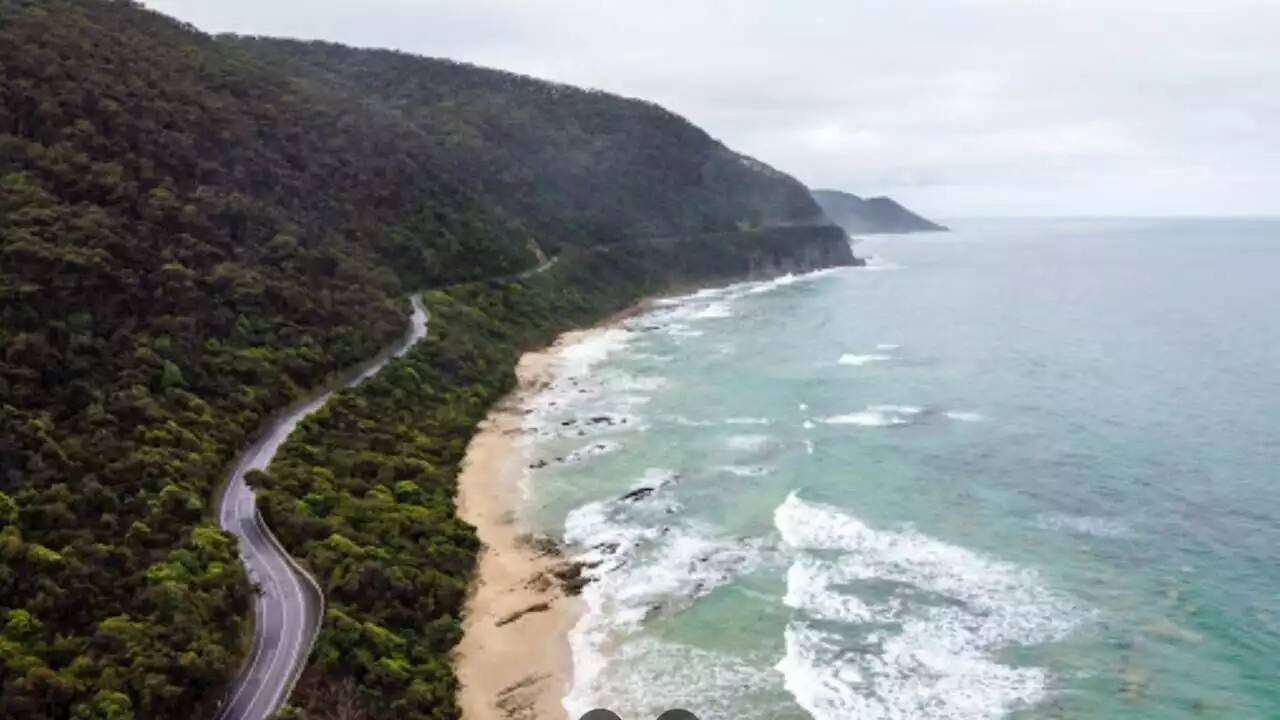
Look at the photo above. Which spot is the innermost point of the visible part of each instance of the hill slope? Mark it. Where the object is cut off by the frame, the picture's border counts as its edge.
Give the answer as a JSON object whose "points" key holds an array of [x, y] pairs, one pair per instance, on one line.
{"points": [[195, 230], [871, 215], [549, 152]]}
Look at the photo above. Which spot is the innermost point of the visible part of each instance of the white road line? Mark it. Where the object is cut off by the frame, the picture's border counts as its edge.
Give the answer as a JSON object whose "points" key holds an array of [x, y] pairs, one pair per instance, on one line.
{"points": [[262, 685], [258, 641], [296, 647], [271, 558]]}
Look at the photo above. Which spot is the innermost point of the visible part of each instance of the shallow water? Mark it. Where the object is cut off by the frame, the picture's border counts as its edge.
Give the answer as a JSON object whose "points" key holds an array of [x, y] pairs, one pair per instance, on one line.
{"points": [[1019, 470]]}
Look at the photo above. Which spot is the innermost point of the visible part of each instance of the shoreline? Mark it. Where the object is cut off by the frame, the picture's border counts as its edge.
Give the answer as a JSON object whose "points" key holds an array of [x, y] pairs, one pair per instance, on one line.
{"points": [[517, 603]]}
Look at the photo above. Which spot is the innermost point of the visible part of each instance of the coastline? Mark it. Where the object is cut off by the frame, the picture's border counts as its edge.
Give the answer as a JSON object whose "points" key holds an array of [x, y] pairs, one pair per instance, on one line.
{"points": [[517, 602], [514, 661]]}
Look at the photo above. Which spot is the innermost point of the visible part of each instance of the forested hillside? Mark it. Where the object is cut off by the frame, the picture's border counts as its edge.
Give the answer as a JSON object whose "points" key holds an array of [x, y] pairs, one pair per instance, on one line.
{"points": [[559, 156], [193, 231]]}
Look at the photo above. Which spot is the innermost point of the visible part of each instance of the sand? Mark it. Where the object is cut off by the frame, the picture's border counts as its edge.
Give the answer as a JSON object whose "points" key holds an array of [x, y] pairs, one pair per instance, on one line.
{"points": [[514, 661]]}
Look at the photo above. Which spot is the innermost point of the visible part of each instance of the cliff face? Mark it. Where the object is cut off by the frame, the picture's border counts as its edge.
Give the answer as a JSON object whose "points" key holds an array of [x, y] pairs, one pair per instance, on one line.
{"points": [[749, 255], [871, 215]]}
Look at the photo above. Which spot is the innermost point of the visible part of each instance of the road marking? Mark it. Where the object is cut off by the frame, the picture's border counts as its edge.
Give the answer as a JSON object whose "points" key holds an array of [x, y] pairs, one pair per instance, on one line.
{"points": [[253, 700], [259, 457], [296, 648], [259, 641]]}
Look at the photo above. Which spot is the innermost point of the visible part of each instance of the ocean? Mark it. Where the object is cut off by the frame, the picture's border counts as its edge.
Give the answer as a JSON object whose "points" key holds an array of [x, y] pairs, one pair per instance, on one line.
{"points": [[1025, 469]]}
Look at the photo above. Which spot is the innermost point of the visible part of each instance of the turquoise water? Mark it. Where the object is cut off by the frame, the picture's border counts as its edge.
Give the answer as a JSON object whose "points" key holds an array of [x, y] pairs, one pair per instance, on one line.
{"points": [[1026, 469]]}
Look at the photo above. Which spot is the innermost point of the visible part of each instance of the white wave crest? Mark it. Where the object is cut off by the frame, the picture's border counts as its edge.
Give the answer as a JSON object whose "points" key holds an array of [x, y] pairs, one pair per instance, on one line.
{"points": [[877, 416], [749, 443], [603, 447], [746, 470], [860, 360], [638, 683], [714, 311], [690, 422], [578, 359], [925, 620], [764, 286], [1084, 525], [642, 571]]}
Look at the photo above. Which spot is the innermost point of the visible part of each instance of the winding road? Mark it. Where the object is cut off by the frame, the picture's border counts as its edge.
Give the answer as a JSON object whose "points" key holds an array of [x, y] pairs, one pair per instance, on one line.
{"points": [[288, 610]]}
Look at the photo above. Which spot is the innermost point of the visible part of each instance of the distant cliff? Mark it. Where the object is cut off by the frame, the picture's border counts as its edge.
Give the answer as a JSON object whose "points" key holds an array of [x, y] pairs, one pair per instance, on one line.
{"points": [[871, 215]]}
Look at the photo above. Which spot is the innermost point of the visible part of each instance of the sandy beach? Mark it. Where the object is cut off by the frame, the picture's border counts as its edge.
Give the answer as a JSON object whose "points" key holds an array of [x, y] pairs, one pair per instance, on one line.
{"points": [[514, 661]]}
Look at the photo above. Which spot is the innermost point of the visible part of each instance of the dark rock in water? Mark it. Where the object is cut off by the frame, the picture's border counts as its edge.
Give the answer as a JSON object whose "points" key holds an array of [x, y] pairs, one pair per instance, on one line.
{"points": [[583, 391], [567, 570], [573, 588], [538, 465], [607, 548], [582, 433], [602, 420], [638, 494], [571, 578], [540, 544], [566, 423]]}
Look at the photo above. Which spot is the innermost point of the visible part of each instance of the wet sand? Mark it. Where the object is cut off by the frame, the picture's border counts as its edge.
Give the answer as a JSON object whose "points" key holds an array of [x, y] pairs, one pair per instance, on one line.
{"points": [[514, 661]]}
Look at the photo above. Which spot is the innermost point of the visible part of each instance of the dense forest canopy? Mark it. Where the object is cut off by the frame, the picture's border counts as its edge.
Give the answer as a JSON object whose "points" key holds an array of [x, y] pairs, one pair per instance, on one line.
{"points": [[556, 155], [194, 231]]}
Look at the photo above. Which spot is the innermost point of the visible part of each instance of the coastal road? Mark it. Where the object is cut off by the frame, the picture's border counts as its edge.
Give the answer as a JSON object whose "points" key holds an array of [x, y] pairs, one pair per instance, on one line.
{"points": [[288, 612]]}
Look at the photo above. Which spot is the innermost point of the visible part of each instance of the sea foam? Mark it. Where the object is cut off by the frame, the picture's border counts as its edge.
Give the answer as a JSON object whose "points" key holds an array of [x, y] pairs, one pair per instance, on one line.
{"points": [[923, 622], [860, 360], [877, 416], [638, 572]]}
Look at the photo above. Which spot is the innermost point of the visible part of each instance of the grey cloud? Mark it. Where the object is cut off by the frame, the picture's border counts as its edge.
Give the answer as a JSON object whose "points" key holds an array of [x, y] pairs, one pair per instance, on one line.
{"points": [[982, 107]]}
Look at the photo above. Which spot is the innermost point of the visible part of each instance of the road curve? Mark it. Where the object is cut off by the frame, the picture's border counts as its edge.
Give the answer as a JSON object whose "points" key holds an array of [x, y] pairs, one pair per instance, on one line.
{"points": [[287, 614]]}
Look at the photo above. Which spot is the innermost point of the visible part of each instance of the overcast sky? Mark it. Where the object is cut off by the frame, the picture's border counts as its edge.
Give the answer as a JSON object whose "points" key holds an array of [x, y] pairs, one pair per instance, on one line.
{"points": [[956, 107]]}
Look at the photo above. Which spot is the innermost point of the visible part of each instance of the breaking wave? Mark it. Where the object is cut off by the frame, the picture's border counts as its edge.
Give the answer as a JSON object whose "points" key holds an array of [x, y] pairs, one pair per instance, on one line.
{"points": [[924, 622]]}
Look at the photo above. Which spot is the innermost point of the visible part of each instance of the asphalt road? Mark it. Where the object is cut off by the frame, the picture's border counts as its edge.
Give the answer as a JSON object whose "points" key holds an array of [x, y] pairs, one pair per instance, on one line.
{"points": [[288, 611]]}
